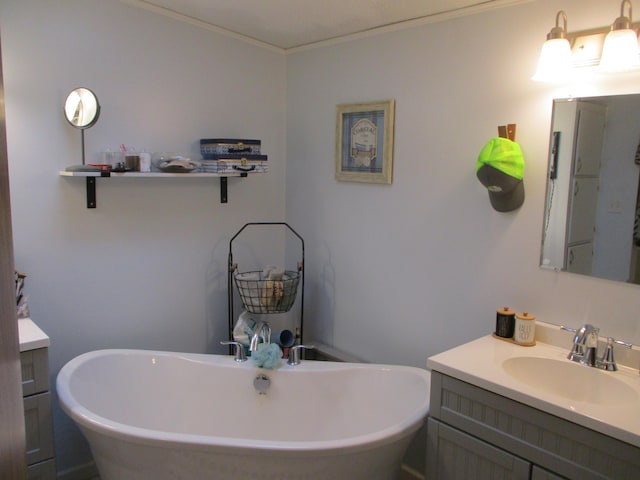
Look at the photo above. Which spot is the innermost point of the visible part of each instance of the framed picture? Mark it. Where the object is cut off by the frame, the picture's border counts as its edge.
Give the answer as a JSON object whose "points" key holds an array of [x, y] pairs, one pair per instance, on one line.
{"points": [[364, 142]]}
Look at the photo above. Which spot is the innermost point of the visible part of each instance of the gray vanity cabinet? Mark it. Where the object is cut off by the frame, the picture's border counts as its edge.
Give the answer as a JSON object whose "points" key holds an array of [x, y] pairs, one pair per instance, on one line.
{"points": [[476, 434], [37, 414]]}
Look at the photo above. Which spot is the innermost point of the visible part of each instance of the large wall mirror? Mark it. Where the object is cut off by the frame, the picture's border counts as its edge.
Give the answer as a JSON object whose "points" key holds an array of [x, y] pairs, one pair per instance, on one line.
{"points": [[592, 212]]}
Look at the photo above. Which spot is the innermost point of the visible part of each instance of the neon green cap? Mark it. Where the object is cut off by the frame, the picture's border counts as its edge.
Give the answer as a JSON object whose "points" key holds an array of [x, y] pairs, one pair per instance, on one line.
{"points": [[504, 155]]}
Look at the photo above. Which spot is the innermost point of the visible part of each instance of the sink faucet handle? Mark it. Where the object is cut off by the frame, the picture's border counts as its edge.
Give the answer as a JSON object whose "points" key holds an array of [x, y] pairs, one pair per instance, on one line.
{"points": [[294, 353], [608, 361], [620, 342], [239, 350]]}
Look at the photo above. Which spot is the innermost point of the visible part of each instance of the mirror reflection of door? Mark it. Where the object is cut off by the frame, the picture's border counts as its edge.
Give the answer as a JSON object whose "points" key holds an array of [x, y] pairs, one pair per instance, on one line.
{"points": [[572, 196], [583, 200]]}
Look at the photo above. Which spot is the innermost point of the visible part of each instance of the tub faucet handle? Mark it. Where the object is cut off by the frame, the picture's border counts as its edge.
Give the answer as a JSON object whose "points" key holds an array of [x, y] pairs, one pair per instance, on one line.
{"points": [[294, 353], [239, 350]]}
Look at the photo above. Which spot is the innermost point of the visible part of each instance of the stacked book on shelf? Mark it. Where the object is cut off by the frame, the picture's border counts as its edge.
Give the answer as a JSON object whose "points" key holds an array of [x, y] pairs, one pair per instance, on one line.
{"points": [[232, 155]]}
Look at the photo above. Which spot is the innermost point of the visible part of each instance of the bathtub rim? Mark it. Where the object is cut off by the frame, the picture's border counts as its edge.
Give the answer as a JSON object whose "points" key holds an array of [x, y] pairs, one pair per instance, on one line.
{"points": [[87, 419]]}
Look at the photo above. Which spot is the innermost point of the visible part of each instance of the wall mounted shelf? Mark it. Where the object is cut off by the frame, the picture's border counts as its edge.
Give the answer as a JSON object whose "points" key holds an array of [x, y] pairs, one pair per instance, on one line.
{"points": [[91, 180]]}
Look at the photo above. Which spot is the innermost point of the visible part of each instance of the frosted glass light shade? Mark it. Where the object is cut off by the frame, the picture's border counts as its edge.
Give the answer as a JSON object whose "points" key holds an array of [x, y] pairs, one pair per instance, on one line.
{"points": [[620, 51], [554, 64]]}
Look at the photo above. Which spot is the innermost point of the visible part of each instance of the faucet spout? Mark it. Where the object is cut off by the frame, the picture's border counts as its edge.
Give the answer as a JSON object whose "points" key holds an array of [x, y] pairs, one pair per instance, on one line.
{"points": [[585, 345], [590, 348], [262, 332]]}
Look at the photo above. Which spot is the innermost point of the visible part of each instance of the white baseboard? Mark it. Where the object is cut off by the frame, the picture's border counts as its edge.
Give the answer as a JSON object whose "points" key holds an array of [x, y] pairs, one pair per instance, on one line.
{"points": [[82, 472], [408, 473]]}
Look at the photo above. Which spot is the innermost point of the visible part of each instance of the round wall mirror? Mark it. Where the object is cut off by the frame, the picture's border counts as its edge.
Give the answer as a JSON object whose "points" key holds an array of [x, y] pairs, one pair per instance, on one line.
{"points": [[81, 108]]}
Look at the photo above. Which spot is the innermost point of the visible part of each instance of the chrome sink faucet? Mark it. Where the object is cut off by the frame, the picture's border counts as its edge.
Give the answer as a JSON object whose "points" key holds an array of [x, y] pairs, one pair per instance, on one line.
{"points": [[262, 332], [585, 348], [583, 335]]}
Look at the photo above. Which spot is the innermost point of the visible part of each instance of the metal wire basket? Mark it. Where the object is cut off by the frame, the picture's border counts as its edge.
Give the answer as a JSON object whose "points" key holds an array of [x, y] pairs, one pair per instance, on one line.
{"points": [[265, 295]]}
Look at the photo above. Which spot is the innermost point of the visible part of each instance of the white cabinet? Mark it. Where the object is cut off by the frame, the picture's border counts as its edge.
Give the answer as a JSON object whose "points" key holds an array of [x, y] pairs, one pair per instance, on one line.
{"points": [[34, 361]]}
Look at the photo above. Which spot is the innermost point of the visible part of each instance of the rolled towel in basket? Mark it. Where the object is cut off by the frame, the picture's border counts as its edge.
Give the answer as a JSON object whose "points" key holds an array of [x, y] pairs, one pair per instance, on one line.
{"points": [[272, 293], [271, 272], [273, 288]]}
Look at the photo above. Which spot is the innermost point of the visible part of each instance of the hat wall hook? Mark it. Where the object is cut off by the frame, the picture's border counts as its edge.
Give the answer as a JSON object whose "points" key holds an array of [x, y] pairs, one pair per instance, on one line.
{"points": [[507, 131], [500, 168]]}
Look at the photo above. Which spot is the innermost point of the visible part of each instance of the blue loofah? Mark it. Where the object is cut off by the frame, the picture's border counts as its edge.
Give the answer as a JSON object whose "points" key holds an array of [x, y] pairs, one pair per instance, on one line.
{"points": [[267, 356]]}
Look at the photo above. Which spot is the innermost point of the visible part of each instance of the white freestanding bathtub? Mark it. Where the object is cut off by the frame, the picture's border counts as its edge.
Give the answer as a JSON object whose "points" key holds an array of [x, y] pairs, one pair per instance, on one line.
{"points": [[152, 415]]}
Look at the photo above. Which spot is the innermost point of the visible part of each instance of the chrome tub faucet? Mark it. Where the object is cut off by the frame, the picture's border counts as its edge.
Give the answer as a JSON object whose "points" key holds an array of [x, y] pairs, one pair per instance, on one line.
{"points": [[262, 332]]}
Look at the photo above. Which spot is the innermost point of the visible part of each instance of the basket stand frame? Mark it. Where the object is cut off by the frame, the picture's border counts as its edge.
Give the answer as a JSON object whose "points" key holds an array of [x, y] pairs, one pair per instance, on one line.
{"points": [[231, 268]]}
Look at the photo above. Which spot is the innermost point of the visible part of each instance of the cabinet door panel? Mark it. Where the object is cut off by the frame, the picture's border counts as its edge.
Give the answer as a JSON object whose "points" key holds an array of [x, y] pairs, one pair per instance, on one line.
{"points": [[582, 214], [580, 258], [35, 371], [454, 455], [589, 139], [39, 427]]}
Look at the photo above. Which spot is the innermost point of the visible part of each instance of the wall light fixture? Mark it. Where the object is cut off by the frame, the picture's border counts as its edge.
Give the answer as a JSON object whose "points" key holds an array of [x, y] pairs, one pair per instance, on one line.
{"points": [[620, 51], [609, 49], [555, 56]]}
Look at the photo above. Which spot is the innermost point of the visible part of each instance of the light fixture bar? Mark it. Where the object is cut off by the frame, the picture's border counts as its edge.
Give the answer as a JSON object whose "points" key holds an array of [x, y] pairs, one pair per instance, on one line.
{"points": [[586, 45]]}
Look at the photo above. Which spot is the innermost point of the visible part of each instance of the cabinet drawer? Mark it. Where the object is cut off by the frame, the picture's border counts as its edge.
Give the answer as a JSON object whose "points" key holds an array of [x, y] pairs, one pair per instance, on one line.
{"points": [[35, 371], [454, 455], [42, 471], [38, 427], [553, 443]]}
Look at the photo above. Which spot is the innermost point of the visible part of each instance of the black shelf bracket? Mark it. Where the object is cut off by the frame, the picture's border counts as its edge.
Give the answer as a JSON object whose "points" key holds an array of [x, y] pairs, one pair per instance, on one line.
{"points": [[91, 192], [223, 190]]}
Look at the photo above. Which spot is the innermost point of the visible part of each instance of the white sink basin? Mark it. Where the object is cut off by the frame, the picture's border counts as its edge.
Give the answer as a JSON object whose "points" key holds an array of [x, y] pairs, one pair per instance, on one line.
{"points": [[571, 380]]}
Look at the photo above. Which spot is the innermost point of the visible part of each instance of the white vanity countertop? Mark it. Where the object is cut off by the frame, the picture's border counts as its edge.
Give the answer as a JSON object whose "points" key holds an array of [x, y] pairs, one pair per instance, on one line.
{"points": [[480, 363], [31, 337]]}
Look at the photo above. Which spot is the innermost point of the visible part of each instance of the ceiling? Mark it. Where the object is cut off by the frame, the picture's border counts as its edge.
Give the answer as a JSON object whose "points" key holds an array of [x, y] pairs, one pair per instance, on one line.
{"points": [[293, 24]]}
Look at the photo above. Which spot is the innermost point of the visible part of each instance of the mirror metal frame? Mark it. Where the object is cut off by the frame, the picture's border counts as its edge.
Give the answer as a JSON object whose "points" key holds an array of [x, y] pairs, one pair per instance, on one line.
{"points": [[74, 104]]}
